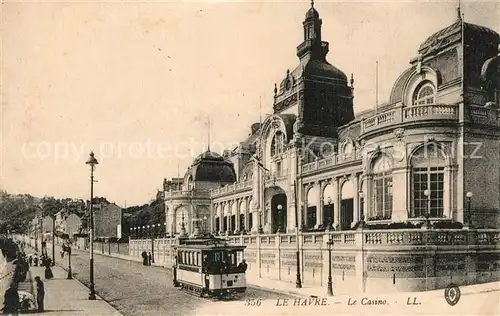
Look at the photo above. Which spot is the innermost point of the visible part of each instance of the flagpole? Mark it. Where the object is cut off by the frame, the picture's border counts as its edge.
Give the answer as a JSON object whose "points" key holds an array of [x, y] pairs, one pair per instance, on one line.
{"points": [[376, 87]]}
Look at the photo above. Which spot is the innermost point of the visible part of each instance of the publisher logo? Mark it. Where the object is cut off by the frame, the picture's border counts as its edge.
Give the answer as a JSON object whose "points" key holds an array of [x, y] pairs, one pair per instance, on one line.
{"points": [[452, 294]]}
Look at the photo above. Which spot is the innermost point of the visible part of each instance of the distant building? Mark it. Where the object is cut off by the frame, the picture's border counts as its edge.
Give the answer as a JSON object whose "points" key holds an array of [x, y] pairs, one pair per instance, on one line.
{"points": [[60, 221], [107, 218], [72, 224]]}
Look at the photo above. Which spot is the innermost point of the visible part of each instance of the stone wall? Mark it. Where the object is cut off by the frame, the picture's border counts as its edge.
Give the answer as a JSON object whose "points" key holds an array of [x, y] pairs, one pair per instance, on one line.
{"points": [[393, 260]]}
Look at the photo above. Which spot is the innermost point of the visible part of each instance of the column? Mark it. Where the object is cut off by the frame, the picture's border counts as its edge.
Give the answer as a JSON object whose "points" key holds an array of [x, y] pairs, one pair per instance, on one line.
{"points": [[221, 220], [319, 209], [213, 209], [355, 210], [300, 201], [237, 221], [368, 198], [255, 220], [399, 194], [336, 206], [247, 214], [229, 213]]}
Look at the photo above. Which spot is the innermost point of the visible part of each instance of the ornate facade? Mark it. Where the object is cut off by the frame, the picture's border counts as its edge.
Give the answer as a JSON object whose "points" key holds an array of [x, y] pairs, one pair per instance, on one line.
{"points": [[432, 153]]}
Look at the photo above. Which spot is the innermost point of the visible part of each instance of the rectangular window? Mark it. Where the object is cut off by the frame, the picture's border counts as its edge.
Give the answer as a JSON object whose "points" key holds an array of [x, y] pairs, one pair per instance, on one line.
{"points": [[311, 216], [382, 197], [432, 179]]}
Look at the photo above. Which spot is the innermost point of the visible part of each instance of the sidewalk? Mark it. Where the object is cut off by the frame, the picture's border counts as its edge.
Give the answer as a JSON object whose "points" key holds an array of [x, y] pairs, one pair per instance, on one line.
{"points": [[69, 297], [289, 288]]}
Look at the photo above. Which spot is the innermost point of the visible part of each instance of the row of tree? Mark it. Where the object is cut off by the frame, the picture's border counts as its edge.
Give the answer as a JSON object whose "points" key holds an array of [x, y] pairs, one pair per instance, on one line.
{"points": [[17, 211]]}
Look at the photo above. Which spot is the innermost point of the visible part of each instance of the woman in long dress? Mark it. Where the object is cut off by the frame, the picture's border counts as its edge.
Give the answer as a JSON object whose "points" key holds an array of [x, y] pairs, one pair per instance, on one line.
{"points": [[48, 270]]}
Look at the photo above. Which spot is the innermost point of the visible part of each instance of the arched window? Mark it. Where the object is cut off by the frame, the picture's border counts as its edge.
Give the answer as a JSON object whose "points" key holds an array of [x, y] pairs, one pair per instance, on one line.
{"points": [[381, 189], [348, 149], [277, 143], [427, 168], [424, 95]]}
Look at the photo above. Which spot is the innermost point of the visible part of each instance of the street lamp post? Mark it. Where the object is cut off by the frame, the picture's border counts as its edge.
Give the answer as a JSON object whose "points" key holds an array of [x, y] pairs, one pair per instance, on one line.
{"points": [[362, 209], [427, 193], [329, 225], [280, 209], [260, 222], [183, 227], [92, 162], [468, 221], [298, 282], [361, 227], [53, 241], [329, 243]]}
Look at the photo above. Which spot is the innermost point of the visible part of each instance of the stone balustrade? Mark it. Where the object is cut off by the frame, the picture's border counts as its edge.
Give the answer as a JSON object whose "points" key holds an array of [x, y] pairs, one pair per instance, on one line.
{"points": [[231, 188], [402, 114], [186, 194], [483, 115], [331, 161], [365, 260]]}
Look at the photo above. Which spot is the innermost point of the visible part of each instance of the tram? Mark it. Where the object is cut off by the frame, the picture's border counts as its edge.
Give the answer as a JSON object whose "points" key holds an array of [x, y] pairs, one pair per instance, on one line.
{"points": [[209, 267]]}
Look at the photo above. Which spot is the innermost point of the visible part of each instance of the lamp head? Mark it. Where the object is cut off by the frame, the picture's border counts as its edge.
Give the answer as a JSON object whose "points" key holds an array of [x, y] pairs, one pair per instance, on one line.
{"points": [[280, 207], [427, 192], [469, 194], [92, 161]]}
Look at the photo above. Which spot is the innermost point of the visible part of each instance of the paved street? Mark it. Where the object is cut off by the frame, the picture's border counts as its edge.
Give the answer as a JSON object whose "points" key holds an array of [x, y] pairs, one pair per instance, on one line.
{"points": [[134, 289]]}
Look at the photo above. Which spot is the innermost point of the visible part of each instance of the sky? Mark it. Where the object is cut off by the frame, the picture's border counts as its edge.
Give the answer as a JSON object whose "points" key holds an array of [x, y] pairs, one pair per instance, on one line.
{"points": [[137, 81]]}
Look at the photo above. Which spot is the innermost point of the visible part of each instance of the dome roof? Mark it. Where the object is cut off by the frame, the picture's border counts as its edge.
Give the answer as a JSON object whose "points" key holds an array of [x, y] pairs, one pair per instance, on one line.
{"points": [[312, 14], [474, 32], [324, 69], [212, 167]]}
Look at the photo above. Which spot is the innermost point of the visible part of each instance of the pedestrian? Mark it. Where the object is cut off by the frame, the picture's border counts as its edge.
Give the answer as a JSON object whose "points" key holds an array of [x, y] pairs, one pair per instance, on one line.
{"points": [[144, 256], [30, 260], [243, 266], [40, 293], [10, 301], [48, 270], [35, 260], [149, 258]]}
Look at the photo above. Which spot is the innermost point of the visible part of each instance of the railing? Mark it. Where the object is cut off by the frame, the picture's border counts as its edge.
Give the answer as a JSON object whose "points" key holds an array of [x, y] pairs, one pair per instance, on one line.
{"points": [[412, 113], [388, 237], [489, 116], [331, 161], [178, 193], [232, 188]]}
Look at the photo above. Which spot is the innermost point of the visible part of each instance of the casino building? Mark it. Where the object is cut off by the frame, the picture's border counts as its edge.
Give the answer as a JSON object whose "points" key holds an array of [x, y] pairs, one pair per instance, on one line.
{"points": [[404, 197], [431, 154]]}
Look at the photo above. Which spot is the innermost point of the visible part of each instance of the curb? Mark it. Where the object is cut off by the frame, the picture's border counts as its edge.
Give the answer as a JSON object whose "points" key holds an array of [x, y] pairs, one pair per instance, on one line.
{"points": [[278, 291]]}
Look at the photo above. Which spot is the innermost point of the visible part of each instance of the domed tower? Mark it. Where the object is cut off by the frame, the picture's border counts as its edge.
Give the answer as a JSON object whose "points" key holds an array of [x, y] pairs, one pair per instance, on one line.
{"points": [[315, 91], [211, 169], [454, 65]]}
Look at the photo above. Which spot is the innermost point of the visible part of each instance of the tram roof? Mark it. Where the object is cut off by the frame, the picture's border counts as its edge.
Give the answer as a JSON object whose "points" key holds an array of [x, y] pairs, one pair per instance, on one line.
{"points": [[207, 244]]}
